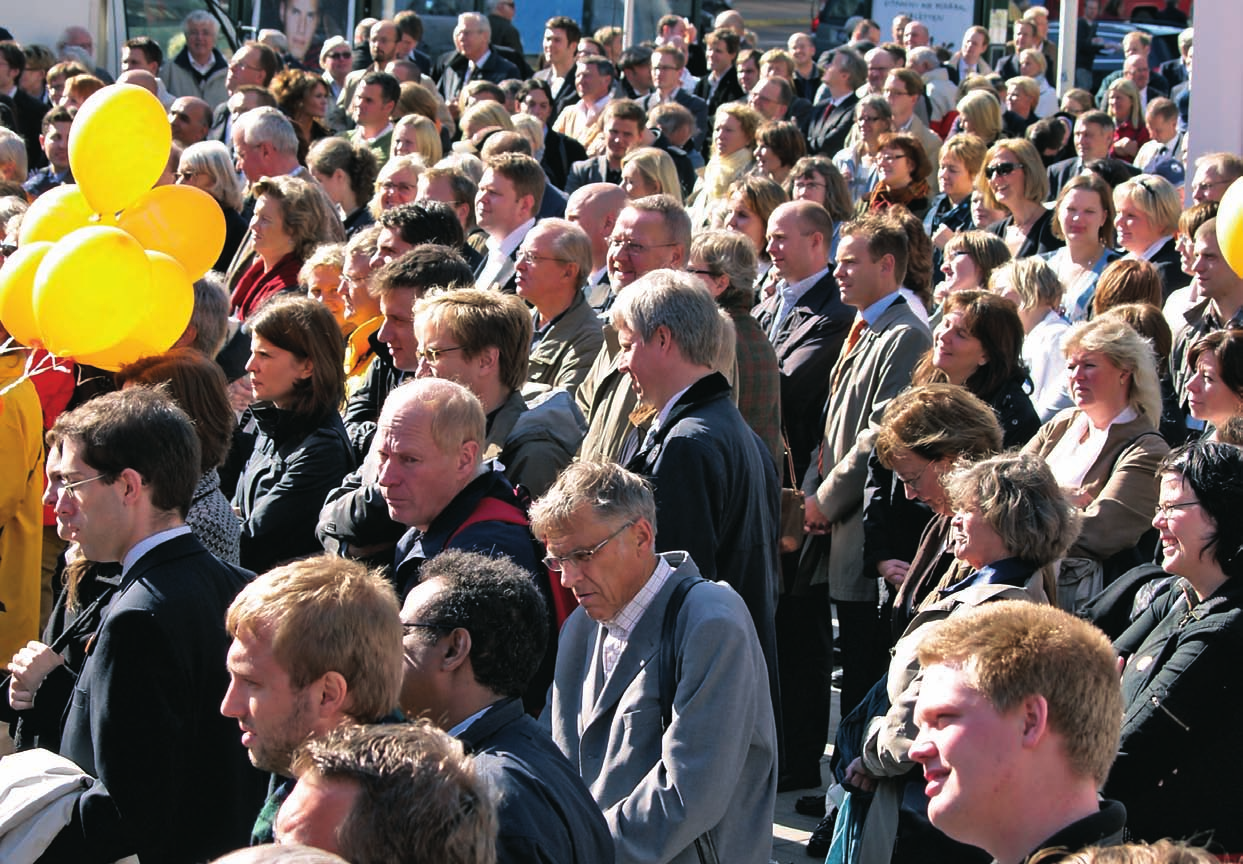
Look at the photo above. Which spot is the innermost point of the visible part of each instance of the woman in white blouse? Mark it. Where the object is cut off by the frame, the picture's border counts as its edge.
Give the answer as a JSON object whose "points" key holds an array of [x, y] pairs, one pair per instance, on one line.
{"points": [[1033, 286], [1084, 218], [1104, 451]]}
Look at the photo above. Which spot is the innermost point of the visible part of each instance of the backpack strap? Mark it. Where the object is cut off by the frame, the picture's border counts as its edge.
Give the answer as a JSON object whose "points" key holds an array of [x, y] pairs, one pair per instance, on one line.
{"points": [[668, 652]]}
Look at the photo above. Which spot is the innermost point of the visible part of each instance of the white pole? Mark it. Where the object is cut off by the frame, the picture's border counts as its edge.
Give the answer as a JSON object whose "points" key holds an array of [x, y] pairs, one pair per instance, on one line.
{"points": [[1067, 34]]}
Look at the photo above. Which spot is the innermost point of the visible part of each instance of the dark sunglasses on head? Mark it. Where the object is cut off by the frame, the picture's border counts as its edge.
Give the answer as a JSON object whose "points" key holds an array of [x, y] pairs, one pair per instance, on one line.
{"points": [[1001, 169]]}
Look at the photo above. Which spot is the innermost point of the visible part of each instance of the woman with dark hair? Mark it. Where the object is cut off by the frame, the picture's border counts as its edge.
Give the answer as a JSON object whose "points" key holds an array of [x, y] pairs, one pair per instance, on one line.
{"points": [[1180, 681], [301, 451], [748, 206], [978, 345], [969, 261], [560, 151], [778, 145], [348, 172], [1084, 218], [303, 97], [1215, 388], [1014, 178], [903, 170], [816, 178], [1127, 280]]}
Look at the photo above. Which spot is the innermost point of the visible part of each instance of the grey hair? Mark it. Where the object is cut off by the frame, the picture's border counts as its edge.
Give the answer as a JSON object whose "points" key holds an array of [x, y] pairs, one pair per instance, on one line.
{"points": [[728, 253], [481, 21], [213, 158], [1033, 280], [210, 316], [612, 493], [268, 125], [1019, 498], [1127, 350], [571, 243], [13, 149], [677, 220], [679, 302], [201, 16]]}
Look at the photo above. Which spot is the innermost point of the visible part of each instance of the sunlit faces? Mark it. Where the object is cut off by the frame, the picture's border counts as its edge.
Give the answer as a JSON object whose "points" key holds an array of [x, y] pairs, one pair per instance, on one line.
{"points": [[1136, 233], [981, 214], [275, 372], [272, 240], [1081, 215], [359, 305], [953, 178], [417, 478], [975, 541], [1208, 396], [383, 42], [617, 570], [398, 186], [748, 73], [1091, 140], [894, 168], [1096, 381], [620, 137], [956, 351], [499, 209], [441, 356], [639, 245], [558, 50], [861, 280], [636, 184], [729, 137], [324, 287], [397, 331], [1008, 187], [795, 252], [1185, 530], [88, 509], [370, 109], [961, 272], [1213, 275], [921, 479]]}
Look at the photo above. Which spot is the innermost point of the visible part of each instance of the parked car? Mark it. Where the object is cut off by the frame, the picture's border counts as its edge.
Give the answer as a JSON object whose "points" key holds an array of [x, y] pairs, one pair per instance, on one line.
{"points": [[1110, 33]]}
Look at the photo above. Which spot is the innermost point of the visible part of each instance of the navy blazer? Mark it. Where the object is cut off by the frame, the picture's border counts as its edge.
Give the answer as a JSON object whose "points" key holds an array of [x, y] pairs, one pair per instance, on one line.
{"points": [[176, 784], [495, 69], [827, 125]]}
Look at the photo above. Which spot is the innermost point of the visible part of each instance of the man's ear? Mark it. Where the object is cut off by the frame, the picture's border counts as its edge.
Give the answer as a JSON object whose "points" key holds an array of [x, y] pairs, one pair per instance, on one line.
{"points": [[457, 649], [333, 694], [131, 484], [1035, 718]]}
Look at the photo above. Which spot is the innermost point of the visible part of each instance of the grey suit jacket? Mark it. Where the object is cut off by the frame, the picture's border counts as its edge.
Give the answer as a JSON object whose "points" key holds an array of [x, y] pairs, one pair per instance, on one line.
{"points": [[864, 379], [714, 770]]}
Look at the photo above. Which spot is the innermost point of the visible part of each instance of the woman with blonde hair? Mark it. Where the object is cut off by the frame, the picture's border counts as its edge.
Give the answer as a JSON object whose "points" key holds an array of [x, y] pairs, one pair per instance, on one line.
{"points": [[1122, 103], [1084, 217], [1034, 288], [733, 145], [416, 134], [1147, 222], [207, 165], [347, 171], [979, 114], [397, 184], [650, 171], [1105, 450], [483, 115], [950, 212], [1014, 178]]}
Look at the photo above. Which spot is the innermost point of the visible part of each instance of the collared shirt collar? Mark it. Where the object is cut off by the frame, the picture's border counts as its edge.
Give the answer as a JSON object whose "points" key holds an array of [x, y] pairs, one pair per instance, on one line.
{"points": [[872, 313], [142, 547], [387, 129], [456, 731], [791, 293], [622, 625], [512, 240], [1147, 254], [664, 412]]}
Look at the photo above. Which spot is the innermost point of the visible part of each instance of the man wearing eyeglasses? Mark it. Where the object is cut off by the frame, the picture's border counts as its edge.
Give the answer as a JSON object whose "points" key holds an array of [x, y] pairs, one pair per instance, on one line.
{"points": [[668, 64], [199, 69], [680, 756], [173, 784], [476, 635]]}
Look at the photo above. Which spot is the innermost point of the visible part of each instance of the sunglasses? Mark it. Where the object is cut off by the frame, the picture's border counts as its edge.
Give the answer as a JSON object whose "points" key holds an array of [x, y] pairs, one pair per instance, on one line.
{"points": [[1001, 169], [340, 55]]}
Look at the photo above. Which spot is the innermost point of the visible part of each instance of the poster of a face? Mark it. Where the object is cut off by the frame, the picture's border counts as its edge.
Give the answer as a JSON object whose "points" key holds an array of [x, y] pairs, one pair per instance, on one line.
{"points": [[306, 24]]}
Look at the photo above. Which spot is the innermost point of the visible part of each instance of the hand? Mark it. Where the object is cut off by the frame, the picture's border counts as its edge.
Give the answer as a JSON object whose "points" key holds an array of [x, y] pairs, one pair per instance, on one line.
{"points": [[1125, 148], [1121, 666], [19, 699], [942, 236], [814, 521], [893, 571], [858, 778], [240, 394], [1078, 497], [30, 666]]}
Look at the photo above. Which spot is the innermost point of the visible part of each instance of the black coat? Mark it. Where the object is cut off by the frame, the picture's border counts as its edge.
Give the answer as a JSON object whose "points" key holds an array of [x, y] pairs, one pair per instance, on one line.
{"points": [[1170, 265], [560, 152], [828, 125], [295, 464], [1040, 237], [546, 813], [452, 68], [593, 170], [176, 783]]}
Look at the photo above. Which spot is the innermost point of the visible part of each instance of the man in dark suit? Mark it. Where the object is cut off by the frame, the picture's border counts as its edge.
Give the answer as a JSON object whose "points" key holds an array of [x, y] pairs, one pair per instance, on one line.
{"points": [[720, 85], [505, 36], [476, 630], [667, 65], [807, 322], [27, 110], [594, 208], [561, 35], [474, 58], [174, 783], [830, 121], [1094, 133], [623, 131]]}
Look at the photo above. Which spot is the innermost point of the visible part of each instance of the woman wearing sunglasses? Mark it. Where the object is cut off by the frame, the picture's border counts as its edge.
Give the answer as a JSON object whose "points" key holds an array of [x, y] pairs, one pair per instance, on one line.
{"points": [[1014, 179]]}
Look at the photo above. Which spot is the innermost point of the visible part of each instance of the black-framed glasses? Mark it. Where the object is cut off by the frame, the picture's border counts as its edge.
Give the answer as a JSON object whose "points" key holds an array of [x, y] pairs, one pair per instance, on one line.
{"points": [[580, 557], [912, 482], [408, 627], [431, 355], [339, 55], [1001, 169], [1165, 510]]}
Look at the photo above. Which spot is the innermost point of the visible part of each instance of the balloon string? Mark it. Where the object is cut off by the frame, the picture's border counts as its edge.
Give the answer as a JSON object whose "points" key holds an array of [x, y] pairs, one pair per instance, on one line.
{"points": [[44, 363]]}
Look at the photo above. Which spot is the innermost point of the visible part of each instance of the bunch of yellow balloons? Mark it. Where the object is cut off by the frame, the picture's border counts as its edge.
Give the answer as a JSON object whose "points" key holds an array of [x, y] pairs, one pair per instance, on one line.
{"points": [[1230, 227], [104, 269]]}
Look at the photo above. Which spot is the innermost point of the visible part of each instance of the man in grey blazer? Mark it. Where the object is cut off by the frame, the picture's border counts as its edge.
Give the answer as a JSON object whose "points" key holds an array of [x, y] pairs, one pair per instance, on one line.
{"points": [[881, 350], [701, 786]]}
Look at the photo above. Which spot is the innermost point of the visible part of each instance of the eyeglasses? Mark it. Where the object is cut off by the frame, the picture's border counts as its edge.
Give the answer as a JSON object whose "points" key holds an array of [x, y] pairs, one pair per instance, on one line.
{"points": [[70, 489], [1001, 169], [623, 245], [890, 157], [431, 355], [403, 188], [413, 626], [526, 257], [697, 272], [339, 55], [863, 118], [580, 557], [912, 482], [1165, 510], [244, 66], [889, 91], [802, 183]]}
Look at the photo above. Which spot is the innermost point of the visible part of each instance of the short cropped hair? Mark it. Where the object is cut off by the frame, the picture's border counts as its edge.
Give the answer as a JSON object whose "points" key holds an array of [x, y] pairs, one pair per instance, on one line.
{"points": [[456, 413], [327, 614], [571, 243], [678, 302], [306, 329], [566, 25], [884, 237], [151, 50], [610, 492], [677, 223], [425, 222], [1012, 649], [420, 797], [937, 421], [522, 171], [425, 267], [267, 125], [1021, 501], [495, 601], [141, 429], [477, 320], [728, 253]]}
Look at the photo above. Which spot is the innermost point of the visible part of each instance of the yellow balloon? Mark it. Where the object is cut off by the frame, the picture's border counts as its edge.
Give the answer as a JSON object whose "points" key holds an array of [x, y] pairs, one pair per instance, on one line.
{"points": [[17, 282], [91, 289], [162, 325], [54, 214], [1230, 227], [118, 146], [180, 221]]}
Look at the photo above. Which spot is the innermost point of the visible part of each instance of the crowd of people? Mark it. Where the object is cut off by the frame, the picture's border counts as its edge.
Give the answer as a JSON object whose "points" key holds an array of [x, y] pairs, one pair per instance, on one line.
{"points": [[544, 447]]}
